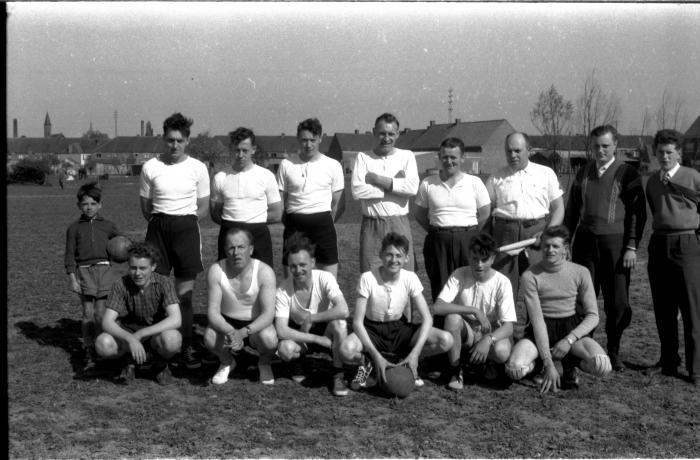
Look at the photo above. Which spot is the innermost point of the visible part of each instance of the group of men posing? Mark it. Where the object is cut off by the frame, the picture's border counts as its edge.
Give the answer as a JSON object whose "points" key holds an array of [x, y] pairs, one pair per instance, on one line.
{"points": [[474, 286]]}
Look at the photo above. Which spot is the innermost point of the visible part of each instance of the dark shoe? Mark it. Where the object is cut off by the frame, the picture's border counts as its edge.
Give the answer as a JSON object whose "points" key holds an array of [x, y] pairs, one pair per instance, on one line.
{"points": [[569, 380], [189, 357], [210, 359], [362, 378], [297, 370], [695, 380], [616, 362], [165, 377], [660, 369], [339, 386], [128, 373]]}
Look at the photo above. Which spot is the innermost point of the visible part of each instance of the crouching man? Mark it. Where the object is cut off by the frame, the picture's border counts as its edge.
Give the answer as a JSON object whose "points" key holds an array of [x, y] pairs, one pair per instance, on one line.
{"points": [[241, 308], [142, 317], [558, 330], [477, 302], [310, 310]]}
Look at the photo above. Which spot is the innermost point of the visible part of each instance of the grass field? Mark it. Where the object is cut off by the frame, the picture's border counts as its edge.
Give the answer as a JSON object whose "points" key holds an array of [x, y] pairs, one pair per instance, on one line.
{"points": [[55, 414]]}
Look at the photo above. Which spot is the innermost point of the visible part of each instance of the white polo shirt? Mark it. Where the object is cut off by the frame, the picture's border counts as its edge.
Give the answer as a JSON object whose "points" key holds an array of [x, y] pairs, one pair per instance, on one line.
{"points": [[524, 194], [245, 195], [387, 301], [455, 206], [324, 289], [174, 188], [310, 184]]}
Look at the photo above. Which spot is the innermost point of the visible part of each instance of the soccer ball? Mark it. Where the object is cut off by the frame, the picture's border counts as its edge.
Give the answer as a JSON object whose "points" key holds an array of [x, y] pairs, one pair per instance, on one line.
{"points": [[117, 249], [399, 381]]}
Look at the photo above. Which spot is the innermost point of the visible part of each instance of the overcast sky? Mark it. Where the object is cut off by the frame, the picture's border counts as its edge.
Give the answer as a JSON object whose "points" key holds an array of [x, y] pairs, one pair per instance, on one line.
{"points": [[267, 66]]}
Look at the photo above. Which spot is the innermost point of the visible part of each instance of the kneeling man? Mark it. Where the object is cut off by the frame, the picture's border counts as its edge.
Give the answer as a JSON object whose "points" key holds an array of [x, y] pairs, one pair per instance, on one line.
{"points": [[310, 309], [241, 307], [477, 302], [142, 313], [384, 297], [553, 289]]}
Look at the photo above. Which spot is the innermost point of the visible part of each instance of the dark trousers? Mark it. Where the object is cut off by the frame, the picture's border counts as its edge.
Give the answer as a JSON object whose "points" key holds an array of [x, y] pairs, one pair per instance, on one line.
{"points": [[602, 256], [674, 276], [262, 241], [444, 251], [507, 232]]}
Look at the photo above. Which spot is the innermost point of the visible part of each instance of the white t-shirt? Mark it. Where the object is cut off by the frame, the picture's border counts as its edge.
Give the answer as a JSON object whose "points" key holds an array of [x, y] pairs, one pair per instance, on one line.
{"points": [[452, 206], [324, 289], [245, 195], [494, 297], [374, 201], [174, 188], [387, 301], [524, 194], [310, 184]]}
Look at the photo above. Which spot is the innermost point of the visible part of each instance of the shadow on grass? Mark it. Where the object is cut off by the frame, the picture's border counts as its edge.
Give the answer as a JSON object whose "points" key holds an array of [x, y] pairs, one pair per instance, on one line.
{"points": [[65, 335]]}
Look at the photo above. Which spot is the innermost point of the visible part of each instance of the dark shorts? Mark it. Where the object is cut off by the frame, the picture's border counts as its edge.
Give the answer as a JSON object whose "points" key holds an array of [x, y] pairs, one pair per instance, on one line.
{"points": [[96, 280], [178, 240], [262, 241], [558, 329], [239, 324], [392, 337], [316, 329], [133, 327], [318, 228]]}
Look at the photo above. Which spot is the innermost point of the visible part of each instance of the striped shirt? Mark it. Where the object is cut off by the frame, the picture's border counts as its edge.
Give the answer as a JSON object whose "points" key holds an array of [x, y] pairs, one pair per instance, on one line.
{"points": [[146, 306]]}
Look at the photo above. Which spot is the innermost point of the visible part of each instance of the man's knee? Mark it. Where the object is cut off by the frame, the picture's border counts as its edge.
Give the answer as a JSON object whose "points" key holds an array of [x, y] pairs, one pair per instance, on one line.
{"points": [[265, 340], [288, 350], [454, 322], [338, 329], [522, 360], [106, 346], [443, 339], [169, 343], [502, 350], [350, 348]]}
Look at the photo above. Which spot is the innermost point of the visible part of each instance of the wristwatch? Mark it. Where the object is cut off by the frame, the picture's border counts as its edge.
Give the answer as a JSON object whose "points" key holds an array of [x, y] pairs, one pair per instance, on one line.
{"points": [[247, 331]]}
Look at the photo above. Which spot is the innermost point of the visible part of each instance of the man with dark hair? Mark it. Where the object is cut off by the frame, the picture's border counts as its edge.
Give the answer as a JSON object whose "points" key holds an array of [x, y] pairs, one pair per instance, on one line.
{"points": [[312, 187], [174, 193], [246, 198], [525, 198], [142, 316], [383, 180], [606, 212], [673, 194], [477, 302]]}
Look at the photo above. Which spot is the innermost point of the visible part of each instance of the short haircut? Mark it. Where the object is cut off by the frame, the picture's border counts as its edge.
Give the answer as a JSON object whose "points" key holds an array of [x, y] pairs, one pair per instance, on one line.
{"points": [[387, 118], [177, 122], [233, 230], [525, 136], [240, 134], [312, 125], [397, 240], [668, 136], [90, 189], [452, 142], [557, 231], [298, 242], [602, 130], [483, 245], [144, 250]]}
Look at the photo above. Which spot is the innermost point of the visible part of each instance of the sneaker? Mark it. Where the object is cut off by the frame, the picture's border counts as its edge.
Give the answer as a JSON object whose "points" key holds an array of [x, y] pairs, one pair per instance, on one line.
{"points": [[363, 372], [297, 370], [221, 375], [165, 377], [189, 357], [339, 386], [616, 362], [266, 375], [419, 382], [569, 380], [457, 379]]}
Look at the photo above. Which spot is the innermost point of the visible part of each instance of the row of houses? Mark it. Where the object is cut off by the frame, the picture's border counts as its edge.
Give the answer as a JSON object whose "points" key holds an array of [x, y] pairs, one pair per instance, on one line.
{"points": [[483, 141]]}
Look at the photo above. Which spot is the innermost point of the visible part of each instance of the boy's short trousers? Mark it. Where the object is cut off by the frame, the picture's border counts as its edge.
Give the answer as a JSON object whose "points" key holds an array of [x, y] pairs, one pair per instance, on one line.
{"points": [[558, 329], [133, 327], [96, 280], [239, 324], [321, 329], [393, 337], [262, 241], [178, 240], [318, 228]]}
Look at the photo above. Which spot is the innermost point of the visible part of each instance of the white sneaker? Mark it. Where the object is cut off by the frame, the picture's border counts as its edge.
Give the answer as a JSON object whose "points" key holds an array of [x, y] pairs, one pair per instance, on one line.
{"points": [[266, 375], [419, 382], [221, 375]]}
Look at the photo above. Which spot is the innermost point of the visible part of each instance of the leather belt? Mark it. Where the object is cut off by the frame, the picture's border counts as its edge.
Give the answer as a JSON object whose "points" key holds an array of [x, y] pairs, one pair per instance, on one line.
{"points": [[453, 229], [523, 222]]}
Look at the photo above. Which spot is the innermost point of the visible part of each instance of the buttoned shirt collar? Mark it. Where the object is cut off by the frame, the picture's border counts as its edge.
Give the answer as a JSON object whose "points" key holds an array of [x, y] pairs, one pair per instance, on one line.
{"points": [[670, 172], [602, 169]]}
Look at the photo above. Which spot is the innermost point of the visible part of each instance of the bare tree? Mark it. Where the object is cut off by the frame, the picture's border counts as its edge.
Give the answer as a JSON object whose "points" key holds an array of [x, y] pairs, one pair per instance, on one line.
{"points": [[551, 116], [646, 122], [671, 111], [595, 107]]}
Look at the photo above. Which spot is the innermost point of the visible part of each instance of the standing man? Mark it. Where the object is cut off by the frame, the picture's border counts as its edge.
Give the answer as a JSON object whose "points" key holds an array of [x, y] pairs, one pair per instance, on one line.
{"points": [[674, 255], [525, 198], [383, 180], [247, 198], [174, 192], [606, 209], [312, 191]]}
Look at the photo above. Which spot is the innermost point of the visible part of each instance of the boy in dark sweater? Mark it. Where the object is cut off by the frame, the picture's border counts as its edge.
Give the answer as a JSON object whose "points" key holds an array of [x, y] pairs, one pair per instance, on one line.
{"points": [[607, 212], [673, 194], [87, 264]]}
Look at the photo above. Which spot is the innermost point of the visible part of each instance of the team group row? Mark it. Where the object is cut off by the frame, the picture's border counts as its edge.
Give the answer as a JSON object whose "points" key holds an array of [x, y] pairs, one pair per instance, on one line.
{"points": [[473, 285]]}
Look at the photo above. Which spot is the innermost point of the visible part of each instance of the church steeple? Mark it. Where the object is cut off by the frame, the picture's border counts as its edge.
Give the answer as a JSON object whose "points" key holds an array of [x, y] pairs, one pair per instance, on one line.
{"points": [[47, 126]]}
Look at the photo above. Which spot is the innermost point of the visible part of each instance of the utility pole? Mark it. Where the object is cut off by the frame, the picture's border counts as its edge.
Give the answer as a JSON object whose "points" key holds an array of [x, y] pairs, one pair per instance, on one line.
{"points": [[449, 105], [116, 115]]}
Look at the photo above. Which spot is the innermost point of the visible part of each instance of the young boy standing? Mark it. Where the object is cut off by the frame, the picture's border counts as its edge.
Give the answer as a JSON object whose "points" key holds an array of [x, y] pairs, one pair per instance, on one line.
{"points": [[477, 302], [385, 295], [87, 263]]}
